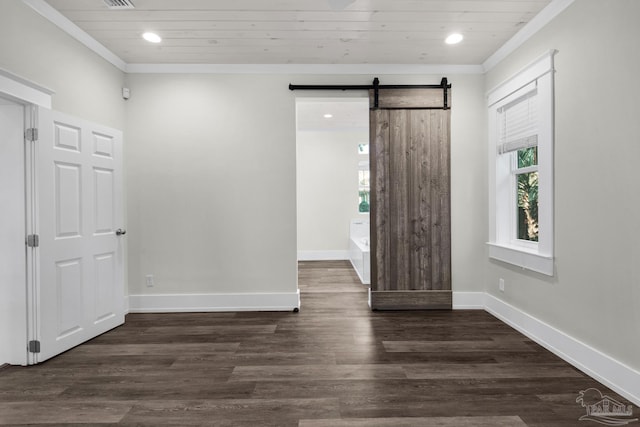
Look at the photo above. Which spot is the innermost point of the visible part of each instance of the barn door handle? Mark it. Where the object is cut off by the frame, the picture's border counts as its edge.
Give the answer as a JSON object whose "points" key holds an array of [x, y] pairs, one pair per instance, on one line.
{"points": [[120, 232]]}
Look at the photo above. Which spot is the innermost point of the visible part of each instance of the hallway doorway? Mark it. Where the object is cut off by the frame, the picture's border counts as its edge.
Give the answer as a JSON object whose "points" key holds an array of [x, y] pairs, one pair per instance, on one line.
{"points": [[332, 162]]}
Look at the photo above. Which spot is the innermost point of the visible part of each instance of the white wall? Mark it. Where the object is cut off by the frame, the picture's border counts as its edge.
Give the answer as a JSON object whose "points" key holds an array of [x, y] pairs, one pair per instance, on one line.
{"points": [[468, 184], [211, 171], [327, 190], [595, 294]]}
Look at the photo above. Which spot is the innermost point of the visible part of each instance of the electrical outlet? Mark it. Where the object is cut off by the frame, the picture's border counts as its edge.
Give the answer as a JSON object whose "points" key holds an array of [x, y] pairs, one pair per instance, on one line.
{"points": [[501, 285], [149, 280]]}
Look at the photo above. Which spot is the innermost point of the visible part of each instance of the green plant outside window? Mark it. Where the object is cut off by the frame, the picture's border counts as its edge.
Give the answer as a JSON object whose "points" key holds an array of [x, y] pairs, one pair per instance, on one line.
{"points": [[527, 195]]}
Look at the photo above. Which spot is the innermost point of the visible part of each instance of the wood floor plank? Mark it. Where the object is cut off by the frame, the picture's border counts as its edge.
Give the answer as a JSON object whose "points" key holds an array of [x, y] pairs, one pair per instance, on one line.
{"points": [[187, 412], [30, 392], [335, 363], [133, 388], [233, 330], [436, 389], [293, 373], [154, 349], [455, 346], [434, 406], [381, 356], [59, 412], [507, 421], [253, 359], [489, 370]]}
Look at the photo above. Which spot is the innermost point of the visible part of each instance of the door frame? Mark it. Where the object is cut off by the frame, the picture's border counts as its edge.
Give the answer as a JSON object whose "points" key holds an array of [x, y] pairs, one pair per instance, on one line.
{"points": [[14, 320], [31, 97]]}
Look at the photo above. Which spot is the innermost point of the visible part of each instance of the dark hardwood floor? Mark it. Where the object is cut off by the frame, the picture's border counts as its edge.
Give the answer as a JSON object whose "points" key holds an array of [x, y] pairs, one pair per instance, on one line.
{"points": [[335, 363]]}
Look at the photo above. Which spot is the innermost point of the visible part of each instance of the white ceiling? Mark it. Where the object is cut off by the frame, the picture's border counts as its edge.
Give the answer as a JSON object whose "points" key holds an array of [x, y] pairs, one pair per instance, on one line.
{"points": [[303, 31]]}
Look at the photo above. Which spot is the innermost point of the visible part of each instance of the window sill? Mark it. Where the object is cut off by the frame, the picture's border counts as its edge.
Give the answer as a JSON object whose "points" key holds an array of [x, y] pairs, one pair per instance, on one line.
{"points": [[522, 257]]}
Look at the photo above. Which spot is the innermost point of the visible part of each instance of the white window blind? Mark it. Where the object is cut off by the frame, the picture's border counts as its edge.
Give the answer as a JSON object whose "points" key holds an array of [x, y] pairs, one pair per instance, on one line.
{"points": [[518, 123]]}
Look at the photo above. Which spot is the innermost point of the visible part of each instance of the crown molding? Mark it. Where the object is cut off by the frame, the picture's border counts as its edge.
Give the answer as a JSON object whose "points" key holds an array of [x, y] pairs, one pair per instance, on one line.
{"points": [[545, 16], [378, 69]]}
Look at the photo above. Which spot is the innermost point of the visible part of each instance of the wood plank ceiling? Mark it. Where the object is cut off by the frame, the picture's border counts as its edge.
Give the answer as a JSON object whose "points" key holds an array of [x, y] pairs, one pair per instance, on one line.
{"points": [[303, 31]]}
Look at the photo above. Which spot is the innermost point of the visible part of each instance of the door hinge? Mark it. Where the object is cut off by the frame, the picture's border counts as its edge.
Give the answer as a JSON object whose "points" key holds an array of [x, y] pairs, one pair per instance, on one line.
{"points": [[34, 346], [33, 240], [31, 134]]}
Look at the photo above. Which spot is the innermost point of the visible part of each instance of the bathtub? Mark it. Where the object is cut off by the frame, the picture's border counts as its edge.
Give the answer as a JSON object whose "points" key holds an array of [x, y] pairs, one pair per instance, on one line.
{"points": [[359, 249]]}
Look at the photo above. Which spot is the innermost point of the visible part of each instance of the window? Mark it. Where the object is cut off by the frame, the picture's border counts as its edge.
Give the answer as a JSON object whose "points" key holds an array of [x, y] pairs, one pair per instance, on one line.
{"points": [[521, 168], [526, 178], [363, 186], [363, 178]]}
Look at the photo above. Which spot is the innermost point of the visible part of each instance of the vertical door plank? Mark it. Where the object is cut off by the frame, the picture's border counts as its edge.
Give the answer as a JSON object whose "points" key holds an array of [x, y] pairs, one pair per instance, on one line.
{"points": [[435, 170], [399, 200], [420, 190], [379, 160], [410, 208], [445, 200]]}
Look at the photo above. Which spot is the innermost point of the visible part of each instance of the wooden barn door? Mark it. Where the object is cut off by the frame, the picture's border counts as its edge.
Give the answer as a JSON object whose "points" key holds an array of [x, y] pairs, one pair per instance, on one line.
{"points": [[410, 200]]}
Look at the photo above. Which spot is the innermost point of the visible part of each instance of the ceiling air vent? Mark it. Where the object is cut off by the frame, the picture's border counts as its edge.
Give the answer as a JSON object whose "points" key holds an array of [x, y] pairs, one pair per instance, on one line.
{"points": [[119, 4]]}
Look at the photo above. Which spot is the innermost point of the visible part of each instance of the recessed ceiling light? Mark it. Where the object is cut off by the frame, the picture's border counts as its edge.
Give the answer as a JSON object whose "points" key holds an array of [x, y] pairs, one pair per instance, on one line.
{"points": [[152, 37], [454, 38], [328, 116]]}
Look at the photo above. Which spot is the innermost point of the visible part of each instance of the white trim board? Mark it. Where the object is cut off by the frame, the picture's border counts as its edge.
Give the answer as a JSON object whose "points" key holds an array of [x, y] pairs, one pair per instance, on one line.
{"points": [[24, 90], [176, 303], [623, 379], [537, 68], [338, 255]]}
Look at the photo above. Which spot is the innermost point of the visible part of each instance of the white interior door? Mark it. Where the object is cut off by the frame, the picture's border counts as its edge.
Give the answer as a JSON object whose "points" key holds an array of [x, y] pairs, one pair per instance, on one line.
{"points": [[81, 255]]}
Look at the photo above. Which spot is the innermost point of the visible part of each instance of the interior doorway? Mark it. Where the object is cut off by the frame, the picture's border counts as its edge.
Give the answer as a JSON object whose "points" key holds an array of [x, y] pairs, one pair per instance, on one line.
{"points": [[332, 158]]}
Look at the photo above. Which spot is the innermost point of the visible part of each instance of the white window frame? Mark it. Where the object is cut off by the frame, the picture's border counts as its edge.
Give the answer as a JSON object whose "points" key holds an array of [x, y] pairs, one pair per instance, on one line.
{"points": [[503, 244]]}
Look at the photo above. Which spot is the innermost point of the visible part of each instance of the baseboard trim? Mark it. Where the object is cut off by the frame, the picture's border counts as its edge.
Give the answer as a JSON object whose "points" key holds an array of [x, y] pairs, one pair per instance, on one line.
{"points": [[619, 377], [323, 255], [176, 303], [468, 300]]}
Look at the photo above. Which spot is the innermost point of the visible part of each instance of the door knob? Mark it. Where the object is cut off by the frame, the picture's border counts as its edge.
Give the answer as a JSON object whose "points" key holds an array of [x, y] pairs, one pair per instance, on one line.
{"points": [[120, 232]]}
